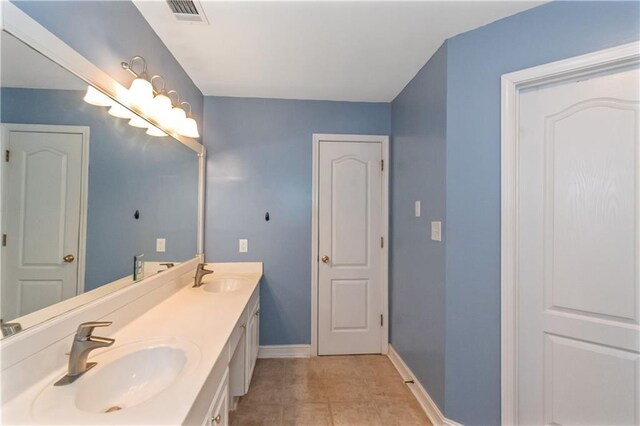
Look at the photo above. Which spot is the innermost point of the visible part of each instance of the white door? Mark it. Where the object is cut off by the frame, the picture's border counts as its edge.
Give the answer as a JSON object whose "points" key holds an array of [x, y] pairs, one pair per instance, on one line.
{"points": [[349, 244], [41, 217], [578, 252]]}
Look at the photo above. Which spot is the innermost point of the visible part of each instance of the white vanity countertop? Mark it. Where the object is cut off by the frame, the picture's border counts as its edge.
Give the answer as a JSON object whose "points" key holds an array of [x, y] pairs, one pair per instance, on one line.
{"points": [[198, 321]]}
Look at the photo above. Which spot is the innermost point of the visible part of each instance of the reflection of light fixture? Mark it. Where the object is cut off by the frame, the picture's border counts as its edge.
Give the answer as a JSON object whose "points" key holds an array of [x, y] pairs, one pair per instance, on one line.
{"points": [[154, 131], [141, 90], [137, 121], [119, 111], [97, 98], [189, 127]]}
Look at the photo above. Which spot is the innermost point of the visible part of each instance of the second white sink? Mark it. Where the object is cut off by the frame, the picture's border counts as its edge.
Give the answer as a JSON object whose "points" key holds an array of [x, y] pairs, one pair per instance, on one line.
{"points": [[224, 284]]}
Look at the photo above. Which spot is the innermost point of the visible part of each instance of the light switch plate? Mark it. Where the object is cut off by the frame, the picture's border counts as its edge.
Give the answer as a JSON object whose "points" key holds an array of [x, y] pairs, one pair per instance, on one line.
{"points": [[243, 246], [138, 267], [161, 245], [436, 231], [417, 208]]}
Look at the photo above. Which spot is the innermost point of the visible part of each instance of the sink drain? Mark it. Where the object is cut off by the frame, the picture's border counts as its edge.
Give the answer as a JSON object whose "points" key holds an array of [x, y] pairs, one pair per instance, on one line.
{"points": [[112, 409]]}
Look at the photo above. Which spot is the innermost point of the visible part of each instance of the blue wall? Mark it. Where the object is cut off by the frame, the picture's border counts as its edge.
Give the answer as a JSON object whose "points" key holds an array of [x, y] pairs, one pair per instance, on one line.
{"points": [[259, 160], [418, 158], [109, 32], [128, 171], [475, 62]]}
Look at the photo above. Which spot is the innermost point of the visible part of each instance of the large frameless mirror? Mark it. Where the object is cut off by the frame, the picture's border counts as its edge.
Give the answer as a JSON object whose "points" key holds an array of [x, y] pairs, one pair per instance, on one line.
{"points": [[90, 203]]}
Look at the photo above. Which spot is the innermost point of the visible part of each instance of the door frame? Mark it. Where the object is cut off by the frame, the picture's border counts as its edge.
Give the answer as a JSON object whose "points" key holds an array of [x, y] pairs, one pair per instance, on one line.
{"points": [[318, 138], [84, 185], [512, 84]]}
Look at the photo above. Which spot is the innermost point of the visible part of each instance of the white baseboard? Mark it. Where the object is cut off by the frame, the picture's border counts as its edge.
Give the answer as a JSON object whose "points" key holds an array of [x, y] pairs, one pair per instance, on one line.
{"points": [[421, 394], [284, 351]]}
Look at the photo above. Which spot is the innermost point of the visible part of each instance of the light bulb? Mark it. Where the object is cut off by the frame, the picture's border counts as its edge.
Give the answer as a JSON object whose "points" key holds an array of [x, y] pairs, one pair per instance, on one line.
{"points": [[154, 131], [177, 117], [137, 121], [119, 111], [189, 128], [97, 98], [141, 92], [160, 107]]}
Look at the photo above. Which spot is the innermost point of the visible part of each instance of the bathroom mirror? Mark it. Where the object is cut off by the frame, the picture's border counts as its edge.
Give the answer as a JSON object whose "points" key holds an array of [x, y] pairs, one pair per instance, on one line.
{"points": [[84, 193]]}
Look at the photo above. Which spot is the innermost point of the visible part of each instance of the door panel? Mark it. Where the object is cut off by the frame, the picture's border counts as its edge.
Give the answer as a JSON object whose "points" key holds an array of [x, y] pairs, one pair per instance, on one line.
{"points": [[350, 228], [578, 251], [42, 219]]}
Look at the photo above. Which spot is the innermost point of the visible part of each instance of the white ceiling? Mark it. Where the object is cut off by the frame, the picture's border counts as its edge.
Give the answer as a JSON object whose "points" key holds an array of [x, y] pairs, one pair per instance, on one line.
{"points": [[25, 68], [351, 51]]}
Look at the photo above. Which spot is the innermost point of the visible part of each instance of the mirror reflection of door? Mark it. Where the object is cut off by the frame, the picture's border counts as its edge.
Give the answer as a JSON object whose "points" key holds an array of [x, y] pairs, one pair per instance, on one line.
{"points": [[43, 210]]}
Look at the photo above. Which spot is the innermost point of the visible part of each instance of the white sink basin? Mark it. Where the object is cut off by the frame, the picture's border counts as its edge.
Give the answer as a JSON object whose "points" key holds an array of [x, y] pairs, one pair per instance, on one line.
{"points": [[224, 284], [125, 377], [135, 378]]}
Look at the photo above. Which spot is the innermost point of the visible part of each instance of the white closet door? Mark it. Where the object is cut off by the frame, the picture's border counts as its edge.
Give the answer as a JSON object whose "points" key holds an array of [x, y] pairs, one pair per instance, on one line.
{"points": [[578, 251]]}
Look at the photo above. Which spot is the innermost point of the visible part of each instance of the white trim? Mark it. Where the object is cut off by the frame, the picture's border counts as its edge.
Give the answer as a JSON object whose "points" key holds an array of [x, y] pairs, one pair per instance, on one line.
{"points": [[84, 184], [512, 84], [421, 394], [384, 141], [202, 182], [284, 351]]}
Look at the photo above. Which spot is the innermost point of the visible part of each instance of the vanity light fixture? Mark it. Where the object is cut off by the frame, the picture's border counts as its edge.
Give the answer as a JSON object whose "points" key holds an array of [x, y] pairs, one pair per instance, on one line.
{"points": [[161, 104], [141, 90], [189, 127], [151, 102], [97, 98]]}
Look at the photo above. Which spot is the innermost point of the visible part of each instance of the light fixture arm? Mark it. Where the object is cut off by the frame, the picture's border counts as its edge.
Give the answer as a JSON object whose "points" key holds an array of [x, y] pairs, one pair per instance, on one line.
{"points": [[162, 89], [173, 92], [129, 66], [187, 103]]}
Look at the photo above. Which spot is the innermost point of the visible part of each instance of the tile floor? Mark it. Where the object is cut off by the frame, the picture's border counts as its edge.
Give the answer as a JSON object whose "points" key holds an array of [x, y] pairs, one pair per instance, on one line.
{"points": [[334, 390]]}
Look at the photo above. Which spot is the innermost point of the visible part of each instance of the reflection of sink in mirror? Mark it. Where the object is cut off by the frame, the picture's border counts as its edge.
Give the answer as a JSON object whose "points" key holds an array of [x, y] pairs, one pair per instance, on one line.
{"points": [[124, 378], [224, 284]]}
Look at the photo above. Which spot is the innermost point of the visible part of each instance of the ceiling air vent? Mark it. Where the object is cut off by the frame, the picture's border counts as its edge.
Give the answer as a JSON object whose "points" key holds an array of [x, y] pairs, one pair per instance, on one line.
{"points": [[188, 11]]}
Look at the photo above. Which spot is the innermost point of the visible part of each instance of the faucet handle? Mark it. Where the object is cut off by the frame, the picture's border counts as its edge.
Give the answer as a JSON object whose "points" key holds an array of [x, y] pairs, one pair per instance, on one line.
{"points": [[86, 328]]}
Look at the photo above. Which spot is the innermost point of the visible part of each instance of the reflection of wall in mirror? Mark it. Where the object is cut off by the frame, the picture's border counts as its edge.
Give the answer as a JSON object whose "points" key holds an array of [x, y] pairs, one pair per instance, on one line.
{"points": [[128, 171]]}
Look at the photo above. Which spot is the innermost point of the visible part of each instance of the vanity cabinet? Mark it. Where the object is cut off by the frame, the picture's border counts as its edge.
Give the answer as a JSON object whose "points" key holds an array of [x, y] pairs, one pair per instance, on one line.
{"points": [[219, 411]]}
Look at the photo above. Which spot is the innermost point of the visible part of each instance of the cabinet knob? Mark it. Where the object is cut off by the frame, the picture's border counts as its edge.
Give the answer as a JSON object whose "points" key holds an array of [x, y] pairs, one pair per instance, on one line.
{"points": [[325, 259], [258, 312], [244, 326], [69, 258], [217, 419]]}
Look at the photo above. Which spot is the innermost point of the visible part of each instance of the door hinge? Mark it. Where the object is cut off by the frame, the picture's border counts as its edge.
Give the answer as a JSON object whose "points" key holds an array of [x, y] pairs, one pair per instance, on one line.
{"points": [[381, 242], [382, 165], [4, 240], [381, 320], [7, 155]]}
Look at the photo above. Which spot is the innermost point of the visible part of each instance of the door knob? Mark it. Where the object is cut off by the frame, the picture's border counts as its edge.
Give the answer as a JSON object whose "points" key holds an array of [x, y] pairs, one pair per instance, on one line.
{"points": [[325, 259], [69, 258]]}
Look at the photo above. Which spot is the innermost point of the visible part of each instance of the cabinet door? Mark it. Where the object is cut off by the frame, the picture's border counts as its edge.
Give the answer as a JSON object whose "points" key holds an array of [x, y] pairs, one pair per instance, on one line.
{"points": [[251, 349], [219, 414]]}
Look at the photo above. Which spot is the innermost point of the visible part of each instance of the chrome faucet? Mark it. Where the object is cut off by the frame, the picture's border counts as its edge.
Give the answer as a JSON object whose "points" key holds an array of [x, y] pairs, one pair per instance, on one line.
{"points": [[200, 273], [83, 343]]}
